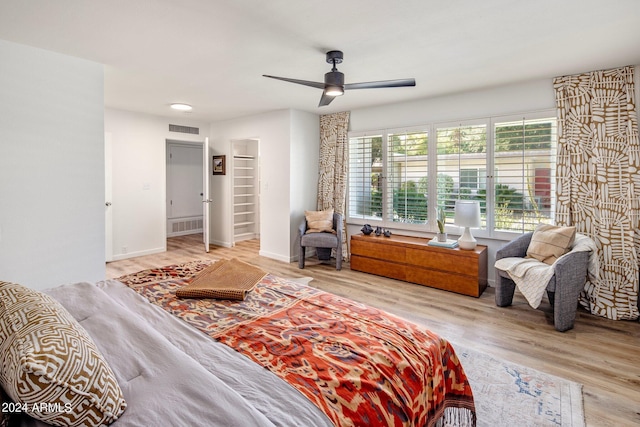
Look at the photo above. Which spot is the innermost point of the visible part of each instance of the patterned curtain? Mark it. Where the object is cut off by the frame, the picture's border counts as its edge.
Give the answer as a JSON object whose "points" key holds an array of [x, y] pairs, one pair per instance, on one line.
{"points": [[598, 175], [332, 180]]}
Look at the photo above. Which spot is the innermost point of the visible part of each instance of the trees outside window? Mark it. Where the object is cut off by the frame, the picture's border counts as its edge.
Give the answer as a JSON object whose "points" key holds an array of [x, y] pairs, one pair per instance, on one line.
{"points": [[399, 178]]}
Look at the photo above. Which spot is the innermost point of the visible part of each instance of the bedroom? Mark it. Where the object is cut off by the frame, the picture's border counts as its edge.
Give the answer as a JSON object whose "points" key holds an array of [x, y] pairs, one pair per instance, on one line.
{"points": [[58, 219]]}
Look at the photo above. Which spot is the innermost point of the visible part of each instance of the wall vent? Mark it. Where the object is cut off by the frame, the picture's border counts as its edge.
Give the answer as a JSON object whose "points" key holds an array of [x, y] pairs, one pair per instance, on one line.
{"points": [[184, 226], [184, 129]]}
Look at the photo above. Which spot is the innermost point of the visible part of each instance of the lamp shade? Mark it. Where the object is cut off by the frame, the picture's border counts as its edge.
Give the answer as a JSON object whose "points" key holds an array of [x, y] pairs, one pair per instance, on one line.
{"points": [[467, 216], [467, 213], [333, 90]]}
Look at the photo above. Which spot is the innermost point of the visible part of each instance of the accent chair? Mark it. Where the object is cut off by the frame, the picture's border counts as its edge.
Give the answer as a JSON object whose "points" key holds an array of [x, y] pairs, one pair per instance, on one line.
{"points": [[563, 289], [324, 242]]}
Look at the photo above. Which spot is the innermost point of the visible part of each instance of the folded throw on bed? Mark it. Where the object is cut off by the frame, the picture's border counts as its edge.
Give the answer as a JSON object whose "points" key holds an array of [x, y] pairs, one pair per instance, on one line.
{"points": [[225, 279]]}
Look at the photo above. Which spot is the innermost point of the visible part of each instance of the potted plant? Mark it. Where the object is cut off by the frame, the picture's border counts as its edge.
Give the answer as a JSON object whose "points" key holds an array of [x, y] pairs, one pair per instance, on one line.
{"points": [[441, 220]]}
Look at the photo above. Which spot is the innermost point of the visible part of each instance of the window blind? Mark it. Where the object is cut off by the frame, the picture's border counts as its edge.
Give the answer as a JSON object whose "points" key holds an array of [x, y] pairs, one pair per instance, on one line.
{"points": [[398, 178], [461, 167], [407, 179], [365, 178], [525, 164]]}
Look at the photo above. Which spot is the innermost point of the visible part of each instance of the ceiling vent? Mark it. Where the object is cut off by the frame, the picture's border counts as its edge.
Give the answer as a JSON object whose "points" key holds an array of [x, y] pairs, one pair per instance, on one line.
{"points": [[184, 129]]}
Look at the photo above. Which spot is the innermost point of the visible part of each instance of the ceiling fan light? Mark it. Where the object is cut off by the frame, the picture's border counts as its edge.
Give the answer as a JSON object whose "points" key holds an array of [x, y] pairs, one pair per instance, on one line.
{"points": [[181, 107], [333, 90]]}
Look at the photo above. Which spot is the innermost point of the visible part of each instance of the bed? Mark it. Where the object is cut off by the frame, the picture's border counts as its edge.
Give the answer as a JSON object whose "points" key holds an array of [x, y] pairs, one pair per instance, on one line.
{"points": [[286, 355]]}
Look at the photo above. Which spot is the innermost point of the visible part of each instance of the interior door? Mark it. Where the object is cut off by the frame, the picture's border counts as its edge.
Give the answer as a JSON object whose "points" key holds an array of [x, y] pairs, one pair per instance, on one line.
{"points": [[206, 200], [108, 210]]}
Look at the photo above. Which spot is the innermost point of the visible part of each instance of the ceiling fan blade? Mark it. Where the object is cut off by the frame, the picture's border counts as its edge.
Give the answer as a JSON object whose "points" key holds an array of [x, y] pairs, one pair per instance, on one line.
{"points": [[300, 82], [325, 100], [381, 84]]}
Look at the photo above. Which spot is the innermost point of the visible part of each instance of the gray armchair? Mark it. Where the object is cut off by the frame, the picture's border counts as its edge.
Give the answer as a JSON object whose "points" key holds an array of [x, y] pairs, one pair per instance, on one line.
{"points": [[323, 242], [570, 274]]}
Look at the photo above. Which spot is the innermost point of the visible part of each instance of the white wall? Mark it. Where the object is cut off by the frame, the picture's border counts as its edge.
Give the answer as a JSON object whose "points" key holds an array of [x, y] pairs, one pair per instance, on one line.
{"points": [[305, 157], [139, 178], [281, 134], [51, 168], [523, 97]]}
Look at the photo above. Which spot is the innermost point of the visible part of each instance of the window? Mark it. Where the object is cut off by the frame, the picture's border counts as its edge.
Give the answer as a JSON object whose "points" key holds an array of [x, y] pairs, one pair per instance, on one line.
{"points": [[469, 178], [525, 164], [388, 178], [365, 178], [461, 165], [407, 179], [399, 179]]}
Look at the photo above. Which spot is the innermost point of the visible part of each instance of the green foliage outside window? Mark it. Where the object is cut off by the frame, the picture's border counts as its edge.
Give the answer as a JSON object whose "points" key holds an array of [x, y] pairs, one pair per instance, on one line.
{"points": [[410, 204], [531, 136], [506, 197], [465, 140], [415, 144]]}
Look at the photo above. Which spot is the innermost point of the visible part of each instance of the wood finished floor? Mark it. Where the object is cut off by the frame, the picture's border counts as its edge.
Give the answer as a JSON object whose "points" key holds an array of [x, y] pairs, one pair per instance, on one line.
{"points": [[601, 354]]}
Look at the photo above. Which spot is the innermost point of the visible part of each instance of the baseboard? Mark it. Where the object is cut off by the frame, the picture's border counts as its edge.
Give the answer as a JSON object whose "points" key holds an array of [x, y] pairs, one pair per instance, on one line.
{"points": [[221, 243], [119, 257], [277, 257]]}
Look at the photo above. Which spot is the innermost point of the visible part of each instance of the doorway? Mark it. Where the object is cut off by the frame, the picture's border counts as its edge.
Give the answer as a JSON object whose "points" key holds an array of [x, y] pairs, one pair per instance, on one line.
{"points": [[246, 189], [184, 188]]}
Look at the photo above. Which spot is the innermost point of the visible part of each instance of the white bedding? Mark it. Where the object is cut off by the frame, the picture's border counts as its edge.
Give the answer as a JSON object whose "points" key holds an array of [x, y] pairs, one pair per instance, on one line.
{"points": [[173, 375]]}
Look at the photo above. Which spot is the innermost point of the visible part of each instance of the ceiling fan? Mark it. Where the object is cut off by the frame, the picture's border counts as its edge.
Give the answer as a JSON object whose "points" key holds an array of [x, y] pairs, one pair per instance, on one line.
{"points": [[334, 84]]}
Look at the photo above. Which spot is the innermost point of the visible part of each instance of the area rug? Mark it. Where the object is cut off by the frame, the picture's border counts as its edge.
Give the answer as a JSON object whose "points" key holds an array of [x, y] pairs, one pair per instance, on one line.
{"points": [[300, 280], [507, 394]]}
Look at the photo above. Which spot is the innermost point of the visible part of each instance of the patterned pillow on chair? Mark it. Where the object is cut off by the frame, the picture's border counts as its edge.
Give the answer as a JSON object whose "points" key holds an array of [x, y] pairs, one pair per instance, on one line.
{"points": [[319, 221], [550, 242], [51, 365]]}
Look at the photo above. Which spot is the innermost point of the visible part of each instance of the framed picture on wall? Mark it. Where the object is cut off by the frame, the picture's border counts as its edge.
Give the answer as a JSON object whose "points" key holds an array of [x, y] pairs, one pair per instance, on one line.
{"points": [[219, 167]]}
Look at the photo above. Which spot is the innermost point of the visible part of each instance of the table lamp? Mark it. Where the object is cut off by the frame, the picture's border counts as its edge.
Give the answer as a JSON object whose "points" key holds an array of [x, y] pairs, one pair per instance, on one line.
{"points": [[467, 215]]}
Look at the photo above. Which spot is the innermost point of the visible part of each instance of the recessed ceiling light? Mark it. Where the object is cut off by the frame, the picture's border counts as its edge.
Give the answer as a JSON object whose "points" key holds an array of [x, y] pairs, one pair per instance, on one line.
{"points": [[181, 107]]}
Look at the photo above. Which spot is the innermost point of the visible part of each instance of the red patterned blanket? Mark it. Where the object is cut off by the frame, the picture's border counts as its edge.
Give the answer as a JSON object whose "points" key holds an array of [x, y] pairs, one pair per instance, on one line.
{"points": [[358, 364]]}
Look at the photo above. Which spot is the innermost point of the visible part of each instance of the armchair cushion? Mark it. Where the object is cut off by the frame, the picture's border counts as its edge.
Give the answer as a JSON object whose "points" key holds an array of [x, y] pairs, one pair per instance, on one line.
{"points": [[319, 221], [550, 242], [320, 240]]}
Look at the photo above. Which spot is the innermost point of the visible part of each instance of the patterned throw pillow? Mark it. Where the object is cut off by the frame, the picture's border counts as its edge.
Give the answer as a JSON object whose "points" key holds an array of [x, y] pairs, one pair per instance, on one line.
{"points": [[51, 365], [319, 221], [550, 242]]}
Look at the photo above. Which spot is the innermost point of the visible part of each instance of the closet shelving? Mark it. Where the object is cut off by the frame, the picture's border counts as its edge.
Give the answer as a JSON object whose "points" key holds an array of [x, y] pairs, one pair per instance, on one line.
{"points": [[245, 192]]}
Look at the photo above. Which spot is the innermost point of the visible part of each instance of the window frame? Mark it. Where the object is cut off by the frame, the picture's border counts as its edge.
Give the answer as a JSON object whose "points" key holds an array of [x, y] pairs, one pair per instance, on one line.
{"points": [[355, 219], [487, 181], [484, 121], [386, 221], [535, 115]]}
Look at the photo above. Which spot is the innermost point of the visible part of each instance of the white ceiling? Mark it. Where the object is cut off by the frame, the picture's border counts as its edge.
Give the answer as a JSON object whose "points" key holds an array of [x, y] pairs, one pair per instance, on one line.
{"points": [[212, 53]]}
